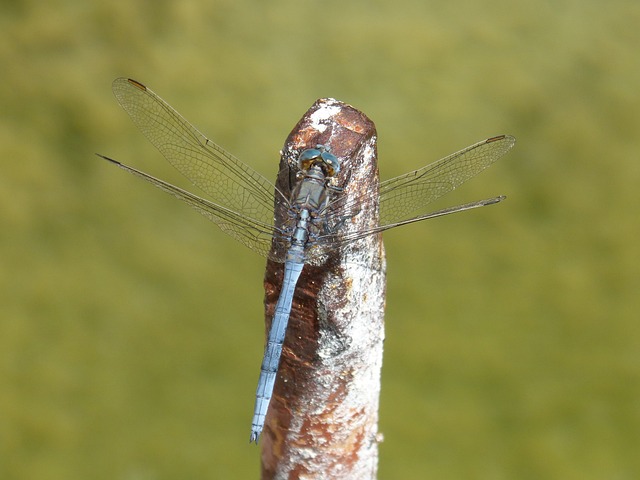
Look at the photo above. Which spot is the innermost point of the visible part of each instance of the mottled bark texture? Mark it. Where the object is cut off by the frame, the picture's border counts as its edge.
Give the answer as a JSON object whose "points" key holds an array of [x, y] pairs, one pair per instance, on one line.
{"points": [[322, 420]]}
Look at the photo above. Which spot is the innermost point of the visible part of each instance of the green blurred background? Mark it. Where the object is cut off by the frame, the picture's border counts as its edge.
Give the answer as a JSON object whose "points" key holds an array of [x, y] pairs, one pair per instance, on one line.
{"points": [[131, 329]]}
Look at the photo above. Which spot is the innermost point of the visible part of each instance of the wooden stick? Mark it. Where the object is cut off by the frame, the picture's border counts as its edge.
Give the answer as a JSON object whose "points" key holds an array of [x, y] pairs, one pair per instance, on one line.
{"points": [[322, 420]]}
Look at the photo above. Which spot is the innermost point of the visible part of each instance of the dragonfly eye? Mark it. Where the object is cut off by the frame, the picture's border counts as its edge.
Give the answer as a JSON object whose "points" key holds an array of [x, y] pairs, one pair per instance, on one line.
{"points": [[319, 156], [308, 157], [331, 164]]}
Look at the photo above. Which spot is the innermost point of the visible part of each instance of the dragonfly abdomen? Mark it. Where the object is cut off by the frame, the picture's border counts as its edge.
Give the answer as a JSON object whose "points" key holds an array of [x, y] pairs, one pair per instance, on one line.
{"points": [[273, 348]]}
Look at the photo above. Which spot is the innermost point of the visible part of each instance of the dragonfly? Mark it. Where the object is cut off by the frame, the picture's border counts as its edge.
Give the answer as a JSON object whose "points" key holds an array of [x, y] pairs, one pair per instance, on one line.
{"points": [[245, 205]]}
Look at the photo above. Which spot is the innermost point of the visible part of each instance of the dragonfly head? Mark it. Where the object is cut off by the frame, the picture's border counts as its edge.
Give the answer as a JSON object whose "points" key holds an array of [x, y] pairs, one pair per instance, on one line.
{"points": [[322, 157]]}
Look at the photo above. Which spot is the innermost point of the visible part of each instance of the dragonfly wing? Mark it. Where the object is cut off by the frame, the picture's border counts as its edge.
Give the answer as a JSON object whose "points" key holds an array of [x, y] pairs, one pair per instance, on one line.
{"points": [[324, 244], [225, 180], [409, 193], [401, 196], [258, 237]]}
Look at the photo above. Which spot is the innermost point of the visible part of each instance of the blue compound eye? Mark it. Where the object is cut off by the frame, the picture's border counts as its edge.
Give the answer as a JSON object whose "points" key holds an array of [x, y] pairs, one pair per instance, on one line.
{"points": [[322, 157], [331, 164], [308, 157]]}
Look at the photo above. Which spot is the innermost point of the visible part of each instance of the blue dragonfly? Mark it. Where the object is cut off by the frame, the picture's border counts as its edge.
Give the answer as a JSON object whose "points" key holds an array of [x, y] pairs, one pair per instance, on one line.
{"points": [[241, 202]]}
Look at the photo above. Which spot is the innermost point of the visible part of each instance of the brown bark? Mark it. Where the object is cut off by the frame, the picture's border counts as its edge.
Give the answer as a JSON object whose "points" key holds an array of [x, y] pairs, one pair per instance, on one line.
{"points": [[322, 420]]}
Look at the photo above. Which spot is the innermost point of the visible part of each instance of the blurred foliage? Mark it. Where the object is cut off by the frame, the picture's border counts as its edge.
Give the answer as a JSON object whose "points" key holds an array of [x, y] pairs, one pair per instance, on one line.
{"points": [[131, 329]]}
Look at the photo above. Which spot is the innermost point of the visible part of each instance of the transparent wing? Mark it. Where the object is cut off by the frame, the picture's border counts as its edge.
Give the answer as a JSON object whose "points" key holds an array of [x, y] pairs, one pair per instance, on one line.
{"points": [[329, 242], [226, 180], [240, 200], [253, 235], [409, 193]]}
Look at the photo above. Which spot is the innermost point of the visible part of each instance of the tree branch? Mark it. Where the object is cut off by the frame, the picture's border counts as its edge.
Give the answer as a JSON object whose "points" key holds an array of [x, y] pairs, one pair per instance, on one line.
{"points": [[322, 421]]}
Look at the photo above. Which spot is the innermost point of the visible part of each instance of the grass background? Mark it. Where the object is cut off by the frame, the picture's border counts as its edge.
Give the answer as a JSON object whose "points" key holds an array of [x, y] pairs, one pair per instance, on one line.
{"points": [[131, 329]]}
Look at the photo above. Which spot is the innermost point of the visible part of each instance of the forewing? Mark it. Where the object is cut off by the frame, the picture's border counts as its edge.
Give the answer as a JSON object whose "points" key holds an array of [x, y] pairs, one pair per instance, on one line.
{"points": [[225, 180], [402, 196]]}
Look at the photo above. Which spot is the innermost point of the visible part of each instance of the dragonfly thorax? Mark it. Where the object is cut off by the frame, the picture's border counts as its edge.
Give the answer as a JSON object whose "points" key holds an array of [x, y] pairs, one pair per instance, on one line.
{"points": [[311, 190]]}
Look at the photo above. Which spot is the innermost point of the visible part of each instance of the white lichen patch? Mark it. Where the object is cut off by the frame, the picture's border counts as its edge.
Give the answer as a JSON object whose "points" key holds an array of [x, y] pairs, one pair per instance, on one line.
{"points": [[330, 107]]}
